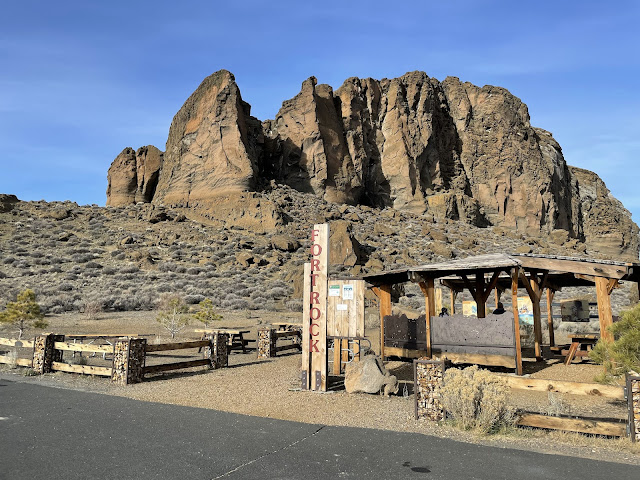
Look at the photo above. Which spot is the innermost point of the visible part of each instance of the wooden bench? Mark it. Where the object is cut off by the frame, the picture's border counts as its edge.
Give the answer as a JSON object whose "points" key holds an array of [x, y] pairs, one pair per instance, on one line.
{"points": [[581, 345], [236, 337]]}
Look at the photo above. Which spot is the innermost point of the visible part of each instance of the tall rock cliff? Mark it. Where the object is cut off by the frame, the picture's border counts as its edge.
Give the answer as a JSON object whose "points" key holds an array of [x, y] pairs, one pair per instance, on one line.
{"points": [[211, 149], [411, 143]]}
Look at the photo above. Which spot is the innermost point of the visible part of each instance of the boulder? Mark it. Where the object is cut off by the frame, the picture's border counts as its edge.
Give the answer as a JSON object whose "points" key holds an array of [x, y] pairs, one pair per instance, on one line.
{"points": [[344, 248], [369, 376], [285, 243]]}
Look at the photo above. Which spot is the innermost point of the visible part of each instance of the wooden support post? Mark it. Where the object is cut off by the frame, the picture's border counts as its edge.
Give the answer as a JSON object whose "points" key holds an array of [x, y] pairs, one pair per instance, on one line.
{"points": [[384, 300], [550, 294], [604, 308], [453, 301], [481, 301], [537, 319], [497, 296], [336, 356], [516, 318], [429, 293]]}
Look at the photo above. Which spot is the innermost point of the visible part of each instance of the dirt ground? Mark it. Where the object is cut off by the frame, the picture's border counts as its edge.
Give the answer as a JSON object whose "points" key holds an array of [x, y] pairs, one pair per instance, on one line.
{"points": [[270, 388]]}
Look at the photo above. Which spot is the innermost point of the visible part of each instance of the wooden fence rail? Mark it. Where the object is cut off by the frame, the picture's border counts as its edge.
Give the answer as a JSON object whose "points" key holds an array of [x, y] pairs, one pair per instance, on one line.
{"points": [[163, 347], [83, 347], [580, 425], [85, 369], [22, 362], [14, 342], [557, 386], [165, 367]]}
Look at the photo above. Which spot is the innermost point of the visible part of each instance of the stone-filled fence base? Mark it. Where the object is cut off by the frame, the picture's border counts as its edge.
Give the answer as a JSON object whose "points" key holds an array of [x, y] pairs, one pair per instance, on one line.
{"points": [[266, 344], [428, 375], [217, 351]]}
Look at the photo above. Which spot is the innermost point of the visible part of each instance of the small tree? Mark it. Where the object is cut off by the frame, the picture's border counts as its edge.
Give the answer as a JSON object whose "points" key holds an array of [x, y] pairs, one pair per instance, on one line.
{"points": [[23, 313], [623, 353], [206, 314], [173, 317]]}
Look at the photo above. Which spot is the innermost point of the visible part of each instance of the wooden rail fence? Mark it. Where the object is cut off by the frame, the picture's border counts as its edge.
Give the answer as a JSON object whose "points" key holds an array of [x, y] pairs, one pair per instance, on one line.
{"points": [[129, 355], [166, 367], [428, 375]]}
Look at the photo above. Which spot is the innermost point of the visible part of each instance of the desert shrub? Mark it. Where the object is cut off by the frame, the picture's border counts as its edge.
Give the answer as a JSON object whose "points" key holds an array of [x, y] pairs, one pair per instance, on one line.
{"points": [[173, 316], [476, 399], [92, 307], [167, 267], [277, 292], [623, 353], [294, 305], [131, 268], [65, 287], [193, 271], [93, 265], [108, 271], [2, 274], [181, 269], [235, 304], [81, 257], [193, 299]]}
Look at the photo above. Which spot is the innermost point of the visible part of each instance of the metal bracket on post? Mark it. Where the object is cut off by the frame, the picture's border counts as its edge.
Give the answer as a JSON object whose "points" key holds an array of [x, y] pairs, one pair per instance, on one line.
{"points": [[304, 380], [318, 380]]}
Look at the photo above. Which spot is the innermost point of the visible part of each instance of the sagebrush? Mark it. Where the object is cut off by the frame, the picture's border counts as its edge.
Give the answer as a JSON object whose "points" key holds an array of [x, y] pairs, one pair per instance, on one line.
{"points": [[476, 399]]}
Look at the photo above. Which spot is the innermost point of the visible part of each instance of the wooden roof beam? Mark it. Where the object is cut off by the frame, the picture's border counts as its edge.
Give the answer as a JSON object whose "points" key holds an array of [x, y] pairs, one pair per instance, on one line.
{"points": [[575, 266]]}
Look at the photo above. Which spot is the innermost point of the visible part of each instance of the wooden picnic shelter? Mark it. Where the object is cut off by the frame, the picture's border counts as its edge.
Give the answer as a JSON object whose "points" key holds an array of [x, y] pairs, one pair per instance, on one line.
{"points": [[482, 274]]}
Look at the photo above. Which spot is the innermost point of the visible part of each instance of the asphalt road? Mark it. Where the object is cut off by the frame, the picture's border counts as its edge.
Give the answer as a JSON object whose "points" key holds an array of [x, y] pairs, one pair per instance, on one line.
{"points": [[51, 433]]}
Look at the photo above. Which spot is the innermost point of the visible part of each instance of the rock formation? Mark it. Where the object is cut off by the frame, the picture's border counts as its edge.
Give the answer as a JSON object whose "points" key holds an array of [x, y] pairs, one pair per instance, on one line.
{"points": [[211, 149], [449, 149], [133, 176], [607, 225]]}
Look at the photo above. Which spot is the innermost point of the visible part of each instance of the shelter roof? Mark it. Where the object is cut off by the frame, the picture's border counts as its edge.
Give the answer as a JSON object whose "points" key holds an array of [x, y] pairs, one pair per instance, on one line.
{"points": [[565, 269]]}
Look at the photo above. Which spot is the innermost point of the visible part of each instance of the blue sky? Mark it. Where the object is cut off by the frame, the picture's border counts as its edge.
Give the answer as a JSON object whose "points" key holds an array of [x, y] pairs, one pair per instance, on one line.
{"points": [[81, 80]]}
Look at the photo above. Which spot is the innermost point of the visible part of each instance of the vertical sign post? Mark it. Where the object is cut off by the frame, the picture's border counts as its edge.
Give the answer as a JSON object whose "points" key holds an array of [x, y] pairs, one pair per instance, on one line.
{"points": [[306, 321], [316, 333]]}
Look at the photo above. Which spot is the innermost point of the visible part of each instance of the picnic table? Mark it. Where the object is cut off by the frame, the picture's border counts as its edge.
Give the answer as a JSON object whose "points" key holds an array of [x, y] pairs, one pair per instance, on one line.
{"points": [[581, 345], [286, 326], [236, 337]]}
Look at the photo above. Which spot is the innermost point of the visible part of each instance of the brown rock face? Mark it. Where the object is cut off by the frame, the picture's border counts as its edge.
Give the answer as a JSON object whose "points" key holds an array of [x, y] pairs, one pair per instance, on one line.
{"points": [[133, 176], [212, 146], [412, 143], [607, 225]]}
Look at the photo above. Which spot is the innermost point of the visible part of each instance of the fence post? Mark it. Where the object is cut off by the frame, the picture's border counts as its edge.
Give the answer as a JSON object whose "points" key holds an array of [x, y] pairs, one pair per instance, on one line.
{"points": [[266, 342], [428, 375], [128, 360], [633, 402], [43, 352], [217, 351]]}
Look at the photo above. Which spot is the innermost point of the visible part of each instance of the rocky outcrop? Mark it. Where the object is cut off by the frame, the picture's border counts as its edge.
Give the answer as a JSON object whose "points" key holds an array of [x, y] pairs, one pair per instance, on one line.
{"points": [[7, 202], [449, 149], [133, 176], [607, 225], [212, 146]]}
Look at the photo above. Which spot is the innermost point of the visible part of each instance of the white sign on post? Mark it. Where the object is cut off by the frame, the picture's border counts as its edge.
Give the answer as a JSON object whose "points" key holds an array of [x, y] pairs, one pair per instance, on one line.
{"points": [[334, 290], [347, 292]]}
